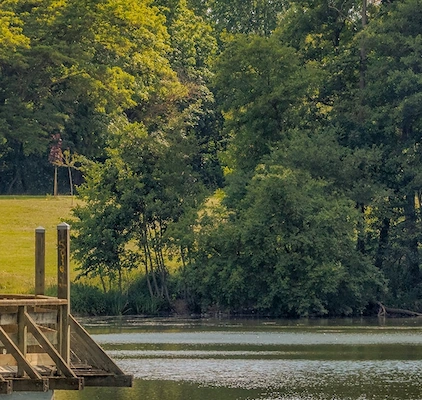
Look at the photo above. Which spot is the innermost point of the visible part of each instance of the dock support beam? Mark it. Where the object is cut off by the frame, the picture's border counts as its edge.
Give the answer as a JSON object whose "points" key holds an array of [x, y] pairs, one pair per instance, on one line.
{"points": [[63, 288], [40, 261], [22, 337]]}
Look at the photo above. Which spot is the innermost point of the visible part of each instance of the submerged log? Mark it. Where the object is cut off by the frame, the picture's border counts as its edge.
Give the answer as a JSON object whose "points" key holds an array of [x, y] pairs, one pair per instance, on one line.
{"points": [[388, 311]]}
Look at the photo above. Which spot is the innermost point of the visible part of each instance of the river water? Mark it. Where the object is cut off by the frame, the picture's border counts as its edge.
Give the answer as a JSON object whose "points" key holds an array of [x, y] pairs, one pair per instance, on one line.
{"points": [[177, 359]]}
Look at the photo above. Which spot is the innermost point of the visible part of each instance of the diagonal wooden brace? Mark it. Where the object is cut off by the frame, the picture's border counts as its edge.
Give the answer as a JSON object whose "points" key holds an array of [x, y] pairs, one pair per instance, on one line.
{"points": [[90, 349], [18, 356], [49, 348]]}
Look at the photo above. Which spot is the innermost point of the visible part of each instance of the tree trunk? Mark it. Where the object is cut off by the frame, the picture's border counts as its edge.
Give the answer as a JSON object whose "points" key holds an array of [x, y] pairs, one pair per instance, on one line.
{"points": [[362, 68], [382, 243], [55, 181], [147, 278], [103, 284], [70, 180], [360, 245], [153, 274], [15, 178], [412, 240], [362, 48]]}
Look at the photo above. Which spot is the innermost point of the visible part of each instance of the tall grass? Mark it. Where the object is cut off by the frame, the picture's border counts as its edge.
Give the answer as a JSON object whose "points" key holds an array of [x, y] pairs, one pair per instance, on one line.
{"points": [[19, 217], [91, 300]]}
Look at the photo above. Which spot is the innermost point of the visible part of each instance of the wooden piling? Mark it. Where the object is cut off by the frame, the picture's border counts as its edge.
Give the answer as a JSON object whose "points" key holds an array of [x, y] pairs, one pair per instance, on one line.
{"points": [[22, 337], [40, 261], [63, 259], [63, 287]]}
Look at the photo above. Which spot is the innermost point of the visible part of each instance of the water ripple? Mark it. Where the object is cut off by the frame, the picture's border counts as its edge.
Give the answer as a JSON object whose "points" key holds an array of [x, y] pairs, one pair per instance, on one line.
{"points": [[138, 354], [278, 374], [261, 338]]}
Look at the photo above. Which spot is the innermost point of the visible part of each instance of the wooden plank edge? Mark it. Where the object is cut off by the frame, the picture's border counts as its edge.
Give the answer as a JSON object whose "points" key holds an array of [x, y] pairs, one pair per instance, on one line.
{"points": [[42, 317], [32, 302], [6, 386], [40, 385], [60, 383], [30, 385], [109, 381]]}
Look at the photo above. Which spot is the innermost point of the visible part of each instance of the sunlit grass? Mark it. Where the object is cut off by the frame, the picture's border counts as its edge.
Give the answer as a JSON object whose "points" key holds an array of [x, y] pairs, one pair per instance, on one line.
{"points": [[19, 217]]}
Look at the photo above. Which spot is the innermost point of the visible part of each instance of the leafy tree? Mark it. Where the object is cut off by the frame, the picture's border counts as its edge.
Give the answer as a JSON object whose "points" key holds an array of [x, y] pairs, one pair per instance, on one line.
{"points": [[261, 88], [278, 110], [393, 123], [289, 250], [257, 17], [193, 49], [144, 186], [84, 64], [321, 29], [155, 161]]}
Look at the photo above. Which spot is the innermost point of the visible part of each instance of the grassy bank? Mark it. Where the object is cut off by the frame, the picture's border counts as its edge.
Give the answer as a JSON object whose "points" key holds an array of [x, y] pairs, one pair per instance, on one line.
{"points": [[19, 216]]}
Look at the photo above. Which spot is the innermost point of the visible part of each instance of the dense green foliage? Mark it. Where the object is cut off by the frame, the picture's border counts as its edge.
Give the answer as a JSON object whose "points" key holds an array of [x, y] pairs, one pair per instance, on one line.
{"points": [[242, 156]]}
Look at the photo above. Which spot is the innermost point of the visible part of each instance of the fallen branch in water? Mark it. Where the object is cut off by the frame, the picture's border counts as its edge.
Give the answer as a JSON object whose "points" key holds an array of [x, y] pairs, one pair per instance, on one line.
{"points": [[385, 311]]}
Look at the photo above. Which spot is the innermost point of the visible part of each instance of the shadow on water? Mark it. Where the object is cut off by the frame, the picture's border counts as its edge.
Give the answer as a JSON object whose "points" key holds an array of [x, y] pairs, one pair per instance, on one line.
{"points": [[261, 359], [162, 390]]}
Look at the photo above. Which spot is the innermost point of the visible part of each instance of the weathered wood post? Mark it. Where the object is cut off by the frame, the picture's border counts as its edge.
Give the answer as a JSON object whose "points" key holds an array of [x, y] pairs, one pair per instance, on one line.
{"points": [[39, 261], [63, 288], [22, 337]]}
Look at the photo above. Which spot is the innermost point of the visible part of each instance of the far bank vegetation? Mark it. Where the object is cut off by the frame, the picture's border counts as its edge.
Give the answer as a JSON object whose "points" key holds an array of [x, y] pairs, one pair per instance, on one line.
{"points": [[254, 157]]}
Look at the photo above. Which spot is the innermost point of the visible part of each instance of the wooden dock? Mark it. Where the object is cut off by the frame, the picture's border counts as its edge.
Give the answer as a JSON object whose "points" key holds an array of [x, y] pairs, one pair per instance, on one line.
{"points": [[42, 346]]}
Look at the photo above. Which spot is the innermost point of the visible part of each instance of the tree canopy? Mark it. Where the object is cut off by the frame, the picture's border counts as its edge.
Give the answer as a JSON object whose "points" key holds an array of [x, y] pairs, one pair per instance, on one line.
{"points": [[243, 156]]}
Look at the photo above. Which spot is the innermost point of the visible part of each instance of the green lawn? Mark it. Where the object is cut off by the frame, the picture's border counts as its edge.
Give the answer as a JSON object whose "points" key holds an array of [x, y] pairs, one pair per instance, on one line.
{"points": [[19, 216]]}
